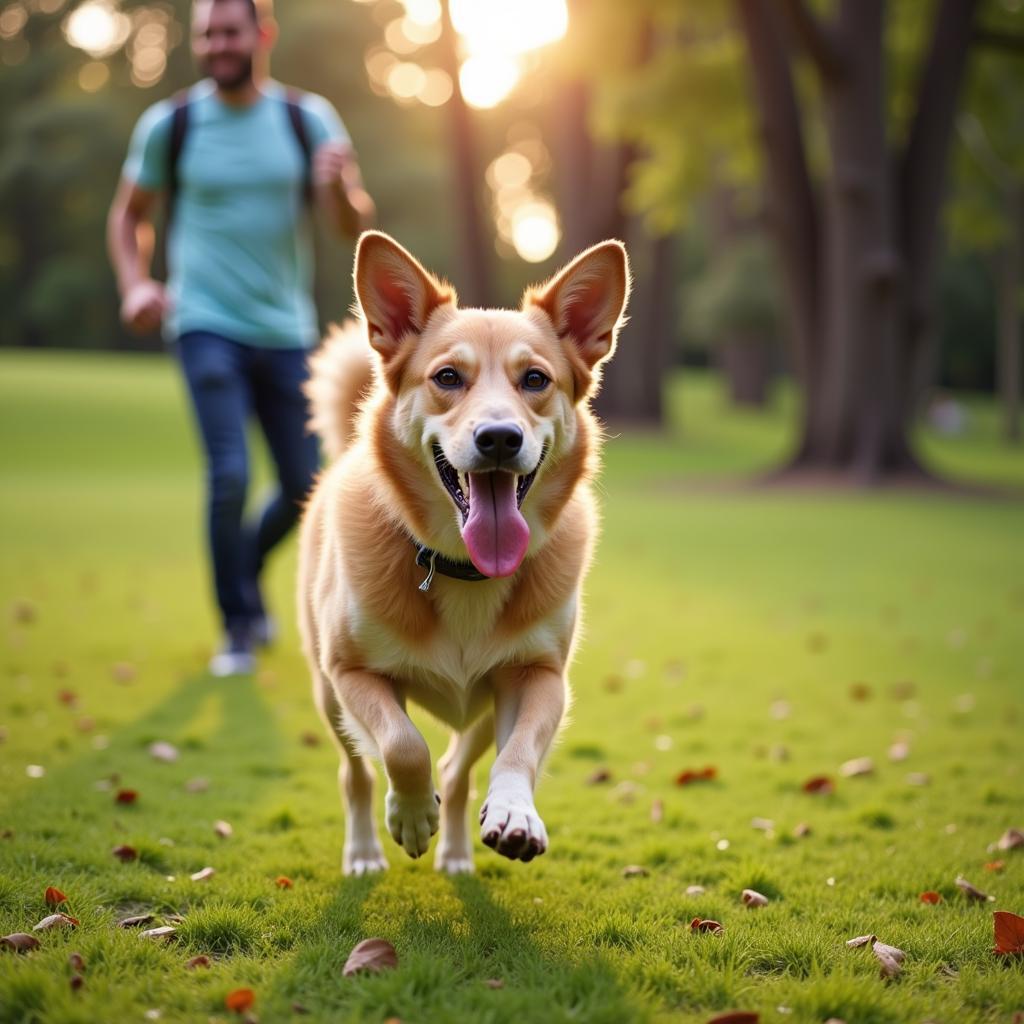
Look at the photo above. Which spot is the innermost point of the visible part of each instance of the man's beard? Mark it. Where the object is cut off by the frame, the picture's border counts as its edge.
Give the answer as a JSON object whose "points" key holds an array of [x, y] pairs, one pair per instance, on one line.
{"points": [[240, 77]]}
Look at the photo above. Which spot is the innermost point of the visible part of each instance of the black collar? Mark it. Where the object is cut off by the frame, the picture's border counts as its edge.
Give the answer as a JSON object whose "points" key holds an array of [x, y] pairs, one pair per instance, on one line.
{"points": [[434, 562]]}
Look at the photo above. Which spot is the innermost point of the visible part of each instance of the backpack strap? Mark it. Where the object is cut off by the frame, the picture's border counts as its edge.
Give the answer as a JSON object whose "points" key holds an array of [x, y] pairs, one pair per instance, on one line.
{"points": [[293, 103], [179, 126]]}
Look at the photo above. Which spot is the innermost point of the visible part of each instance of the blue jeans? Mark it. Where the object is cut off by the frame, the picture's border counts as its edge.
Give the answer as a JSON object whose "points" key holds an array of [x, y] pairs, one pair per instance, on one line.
{"points": [[229, 383]]}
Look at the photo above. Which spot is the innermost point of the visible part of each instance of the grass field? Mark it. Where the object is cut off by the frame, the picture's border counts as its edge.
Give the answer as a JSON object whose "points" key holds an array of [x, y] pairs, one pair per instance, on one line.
{"points": [[771, 635]]}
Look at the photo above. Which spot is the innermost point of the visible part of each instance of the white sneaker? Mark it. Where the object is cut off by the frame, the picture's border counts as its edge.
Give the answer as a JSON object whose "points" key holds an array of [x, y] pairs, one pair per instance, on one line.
{"points": [[232, 663]]}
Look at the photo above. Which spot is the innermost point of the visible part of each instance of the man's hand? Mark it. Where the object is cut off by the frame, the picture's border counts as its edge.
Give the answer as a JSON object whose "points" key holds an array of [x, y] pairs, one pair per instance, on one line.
{"points": [[339, 187], [334, 163], [144, 306]]}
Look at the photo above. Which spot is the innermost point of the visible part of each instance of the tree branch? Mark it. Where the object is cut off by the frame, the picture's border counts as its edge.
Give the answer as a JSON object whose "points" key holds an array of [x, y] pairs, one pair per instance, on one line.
{"points": [[816, 38]]}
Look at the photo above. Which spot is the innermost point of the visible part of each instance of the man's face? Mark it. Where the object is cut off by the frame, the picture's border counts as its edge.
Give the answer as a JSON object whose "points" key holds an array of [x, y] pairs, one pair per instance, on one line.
{"points": [[224, 40]]}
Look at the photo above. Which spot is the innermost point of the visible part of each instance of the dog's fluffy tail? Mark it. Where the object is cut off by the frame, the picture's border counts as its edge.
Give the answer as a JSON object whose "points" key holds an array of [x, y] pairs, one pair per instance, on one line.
{"points": [[341, 373]]}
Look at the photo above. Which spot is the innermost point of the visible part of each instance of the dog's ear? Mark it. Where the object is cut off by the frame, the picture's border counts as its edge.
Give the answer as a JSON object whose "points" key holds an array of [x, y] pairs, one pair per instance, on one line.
{"points": [[395, 293], [586, 299]]}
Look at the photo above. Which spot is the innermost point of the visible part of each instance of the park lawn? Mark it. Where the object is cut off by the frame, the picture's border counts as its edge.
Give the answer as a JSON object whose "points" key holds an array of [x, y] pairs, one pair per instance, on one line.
{"points": [[771, 635]]}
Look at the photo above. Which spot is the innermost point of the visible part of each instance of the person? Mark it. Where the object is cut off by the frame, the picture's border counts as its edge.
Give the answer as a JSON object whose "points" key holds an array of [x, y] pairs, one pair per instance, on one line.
{"points": [[238, 167]]}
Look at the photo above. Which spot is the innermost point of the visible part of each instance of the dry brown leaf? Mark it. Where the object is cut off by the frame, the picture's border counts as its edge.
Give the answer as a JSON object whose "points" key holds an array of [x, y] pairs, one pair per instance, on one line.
{"points": [[860, 692], [706, 925], [995, 866], [77, 962], [802, 831], [370, 955], [203, 874], [972, 892], [736, 1017], [126, 796], [689, 776], [695, 890], [56, 921], [198, 961], [54, 897], [1009, 933], [125, 853], [310, 739], [240, 1000], [598, 776], [899, 751], [890, 958], [76, 981], [861, 940], [223, 829], [930, 897], [164, 932], [820, 785], [634, 871], [856, 767], [67, 697], [753, 899], [283, 882], [20, 942], [135, 922]]}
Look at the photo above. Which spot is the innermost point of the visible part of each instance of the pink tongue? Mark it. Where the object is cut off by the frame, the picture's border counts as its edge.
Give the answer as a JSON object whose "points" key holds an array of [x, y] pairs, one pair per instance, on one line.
{"points": [[496, 534]]}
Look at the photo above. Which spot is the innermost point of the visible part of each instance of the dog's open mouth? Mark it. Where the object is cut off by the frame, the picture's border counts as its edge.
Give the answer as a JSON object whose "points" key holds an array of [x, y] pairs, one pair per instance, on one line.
{"points": [[493, 528]]}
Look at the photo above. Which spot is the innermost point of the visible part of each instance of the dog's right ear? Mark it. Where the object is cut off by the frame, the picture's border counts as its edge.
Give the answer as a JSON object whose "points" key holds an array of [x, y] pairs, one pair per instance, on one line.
{"points": [[395, 293]]}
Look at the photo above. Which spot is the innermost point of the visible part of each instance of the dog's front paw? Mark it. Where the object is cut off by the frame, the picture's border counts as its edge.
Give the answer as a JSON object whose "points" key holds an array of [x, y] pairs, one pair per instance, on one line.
{"points": [[509, 822], [358, 861], [412, 820]]}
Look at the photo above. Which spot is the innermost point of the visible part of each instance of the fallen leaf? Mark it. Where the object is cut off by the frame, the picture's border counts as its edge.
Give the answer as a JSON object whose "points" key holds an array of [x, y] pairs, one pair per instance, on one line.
{"points": [[861, 940], [899, 751], [135, 922], [370, 955], [634, 871], [995, 865], [657, 812], [753, 899], [203, 874], [20, 942], [223, 829], [736, 1017], [819, 784], [695, 890], [310, 739], [283, 882], [161, 751], [860, 692], [597, 777], [164, 932], [56, 921], [930, 897], [1011, 839], [707, 925], [1009, 933], [198, 961], [691, 775], [890, 958], [494, 983], [126, 796], [77, 962], [972, 892], [762, 824], [67, 697], [918, 779], [856, 767], [625, 792], [54, 897], [802, 831], [240, 1000], [125, 853], [76, 981]]}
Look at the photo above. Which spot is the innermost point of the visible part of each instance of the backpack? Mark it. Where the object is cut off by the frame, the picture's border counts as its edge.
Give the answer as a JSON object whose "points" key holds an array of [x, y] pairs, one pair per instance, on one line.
{"points": [[179, 128]]}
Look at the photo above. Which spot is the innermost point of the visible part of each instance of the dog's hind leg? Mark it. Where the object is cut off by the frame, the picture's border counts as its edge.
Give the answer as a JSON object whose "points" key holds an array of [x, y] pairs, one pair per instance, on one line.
{"points": [[362, 852], [455, 849]]}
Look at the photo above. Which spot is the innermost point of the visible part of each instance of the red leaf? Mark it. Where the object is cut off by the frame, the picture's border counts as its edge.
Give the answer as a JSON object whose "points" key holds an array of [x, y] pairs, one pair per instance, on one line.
{"points": [[126, 796], [76, 981], [819, 784], [698, 925], [283, 882], [20, 942], [198, 961], [690, 775], [54, 897], [1009, 933], [995, 865], [930, 897], [371, 955], [125, 853], [77, 962], [68, 697], [240, 1000], [736, 1017]]}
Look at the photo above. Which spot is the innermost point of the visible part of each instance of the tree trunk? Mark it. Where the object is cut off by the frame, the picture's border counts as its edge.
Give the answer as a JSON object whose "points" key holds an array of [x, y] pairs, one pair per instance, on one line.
{"points": [[1011, 289]]}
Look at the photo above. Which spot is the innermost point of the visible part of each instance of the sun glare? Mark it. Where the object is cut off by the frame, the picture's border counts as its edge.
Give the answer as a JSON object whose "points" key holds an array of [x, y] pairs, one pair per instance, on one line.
{"points": [[97, 27], [535, 231], [487, 80], [509, 26]]}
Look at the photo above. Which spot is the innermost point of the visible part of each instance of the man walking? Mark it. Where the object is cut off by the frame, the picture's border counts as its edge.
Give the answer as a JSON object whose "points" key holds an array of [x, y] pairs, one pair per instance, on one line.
{"points": [[237, 158]]}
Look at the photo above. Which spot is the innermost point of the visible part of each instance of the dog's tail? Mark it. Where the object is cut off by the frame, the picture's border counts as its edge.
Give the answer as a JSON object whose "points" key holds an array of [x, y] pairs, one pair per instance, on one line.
{"points": [[341, 373]]}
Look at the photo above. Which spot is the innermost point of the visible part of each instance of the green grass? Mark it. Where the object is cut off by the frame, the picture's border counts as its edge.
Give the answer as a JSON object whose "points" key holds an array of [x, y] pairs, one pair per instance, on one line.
{"points": [[725, 626]]}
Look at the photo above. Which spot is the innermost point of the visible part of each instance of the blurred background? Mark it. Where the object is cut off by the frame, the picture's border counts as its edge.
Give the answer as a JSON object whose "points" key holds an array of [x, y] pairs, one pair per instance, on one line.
{"points": [[824, 203]]}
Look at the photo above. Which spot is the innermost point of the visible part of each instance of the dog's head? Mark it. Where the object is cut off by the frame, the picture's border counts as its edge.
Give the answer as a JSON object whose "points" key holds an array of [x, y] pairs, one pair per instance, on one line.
{"points": [[488, 398]]}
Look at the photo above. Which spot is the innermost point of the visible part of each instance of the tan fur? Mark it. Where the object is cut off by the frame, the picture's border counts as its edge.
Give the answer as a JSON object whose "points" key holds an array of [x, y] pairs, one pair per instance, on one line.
{"points": [[488, 658]]}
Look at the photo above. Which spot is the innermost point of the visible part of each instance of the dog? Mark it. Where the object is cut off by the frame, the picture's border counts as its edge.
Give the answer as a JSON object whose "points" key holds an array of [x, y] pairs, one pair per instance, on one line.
{"points": [[443, 549]]}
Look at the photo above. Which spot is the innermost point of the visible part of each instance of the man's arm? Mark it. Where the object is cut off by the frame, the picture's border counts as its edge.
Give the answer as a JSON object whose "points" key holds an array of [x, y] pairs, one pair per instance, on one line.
{"points": [[130, 236], [339, 189]]}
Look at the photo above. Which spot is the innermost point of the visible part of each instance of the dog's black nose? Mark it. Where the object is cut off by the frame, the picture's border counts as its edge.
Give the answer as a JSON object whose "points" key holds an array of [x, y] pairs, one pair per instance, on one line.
{"points": [[498, 441]]}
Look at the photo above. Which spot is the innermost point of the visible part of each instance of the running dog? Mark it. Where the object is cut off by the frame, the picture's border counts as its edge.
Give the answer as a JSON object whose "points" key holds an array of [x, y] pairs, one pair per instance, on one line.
{"points": [[443, 550]]}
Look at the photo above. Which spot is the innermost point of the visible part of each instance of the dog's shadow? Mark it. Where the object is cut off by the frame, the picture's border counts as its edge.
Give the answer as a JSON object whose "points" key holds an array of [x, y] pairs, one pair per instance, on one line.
{"points": [[465, 954]]}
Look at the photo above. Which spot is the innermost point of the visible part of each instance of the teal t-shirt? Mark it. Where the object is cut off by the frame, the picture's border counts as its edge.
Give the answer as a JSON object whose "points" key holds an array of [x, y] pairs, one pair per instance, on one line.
{"points": [[239, 250]]}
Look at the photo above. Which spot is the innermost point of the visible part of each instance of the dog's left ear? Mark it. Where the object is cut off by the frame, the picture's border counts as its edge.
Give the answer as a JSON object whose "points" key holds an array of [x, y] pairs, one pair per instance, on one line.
{"points": [[395, 293], [586, 299]]}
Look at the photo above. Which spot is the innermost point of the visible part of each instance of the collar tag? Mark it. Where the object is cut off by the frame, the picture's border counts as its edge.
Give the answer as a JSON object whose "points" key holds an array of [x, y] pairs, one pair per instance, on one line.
{"points": [[425, 585]]}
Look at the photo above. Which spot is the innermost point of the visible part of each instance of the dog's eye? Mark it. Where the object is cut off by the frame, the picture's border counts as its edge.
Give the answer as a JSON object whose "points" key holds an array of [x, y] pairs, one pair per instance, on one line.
{"points": [[534, 380], [448, 377]]}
